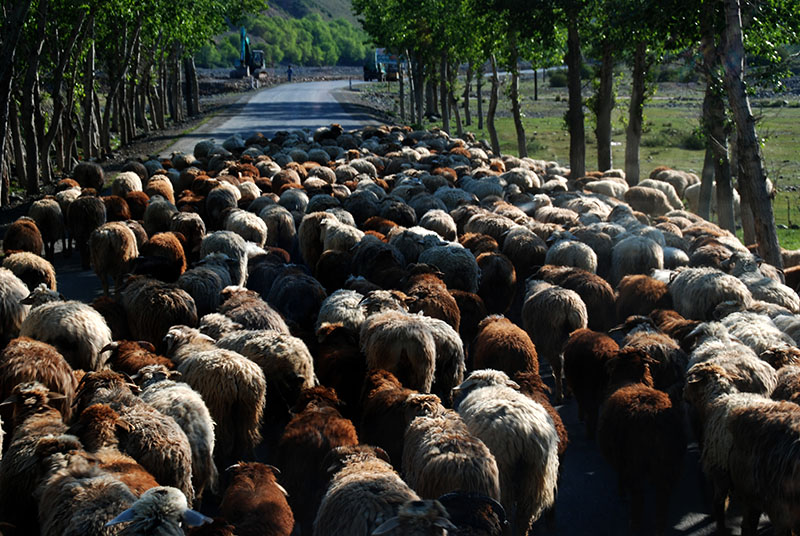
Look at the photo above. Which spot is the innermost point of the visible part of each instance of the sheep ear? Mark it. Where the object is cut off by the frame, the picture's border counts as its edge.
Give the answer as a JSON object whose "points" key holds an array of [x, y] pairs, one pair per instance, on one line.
{"points": [[382, 454], [174, 375], [387, 526], [444, 523], [147, 345], [28, 300], [51, 396], [195, 519], [124, 517], [13, 399], [514, 385], [122, 424]]}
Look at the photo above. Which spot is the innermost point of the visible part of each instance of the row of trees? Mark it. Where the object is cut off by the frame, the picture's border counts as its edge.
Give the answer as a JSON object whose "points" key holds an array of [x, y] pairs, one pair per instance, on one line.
{"points": [[306, 41], [76, 73], [440, 35]]}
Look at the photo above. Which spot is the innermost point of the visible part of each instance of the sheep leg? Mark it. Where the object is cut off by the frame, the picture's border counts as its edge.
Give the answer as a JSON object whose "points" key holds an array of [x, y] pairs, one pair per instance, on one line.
{"points": [[750, 521], [523, 518], [720, 500], [557, 365]]}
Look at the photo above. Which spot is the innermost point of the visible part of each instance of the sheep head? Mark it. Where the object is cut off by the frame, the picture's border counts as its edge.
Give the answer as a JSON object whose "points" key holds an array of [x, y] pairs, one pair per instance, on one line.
{"points": [[159, 511], [630, 365], [417, 518]]}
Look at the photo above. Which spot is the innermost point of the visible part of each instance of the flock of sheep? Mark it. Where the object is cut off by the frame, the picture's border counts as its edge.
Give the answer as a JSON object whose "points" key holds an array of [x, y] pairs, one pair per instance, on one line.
{"points": [[366, 311]]}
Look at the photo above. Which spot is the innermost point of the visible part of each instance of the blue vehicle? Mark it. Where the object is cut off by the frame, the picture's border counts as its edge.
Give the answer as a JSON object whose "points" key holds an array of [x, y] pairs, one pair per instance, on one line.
{"points": [[250, 62]]}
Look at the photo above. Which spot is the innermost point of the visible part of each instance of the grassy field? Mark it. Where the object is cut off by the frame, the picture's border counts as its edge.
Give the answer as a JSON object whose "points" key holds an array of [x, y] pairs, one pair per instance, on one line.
{"points": [[672, 121]]}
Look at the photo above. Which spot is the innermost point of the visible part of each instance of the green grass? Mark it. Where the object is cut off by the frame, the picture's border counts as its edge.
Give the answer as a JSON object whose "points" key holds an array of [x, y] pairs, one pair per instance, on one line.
{"points": [[672, 121]]}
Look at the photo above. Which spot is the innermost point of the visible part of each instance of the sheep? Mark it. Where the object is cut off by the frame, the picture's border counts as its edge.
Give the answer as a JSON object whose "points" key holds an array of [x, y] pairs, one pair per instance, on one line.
{"points": [[81, 499], [400, 343], [756, 331], [763, 462], [586, 353], [20, 469], [285, 360], [281, 227], [129, 357], [246, 308], [117, 208], [364, 493], [232, 386], [502, 345], [418, 518], [450, 362], [153, 439], [745, 267], [125, 182], [667, 189], [549, 314], [165, 252], [247, 225], [668, 361], [711, 390], [428, 294], [50, 222], [595, 292], [89, 175], [788, 386], [98, 427], [28, 360], [525, 250], [458, 265], [411, 242], [75, 329], [652, 202], [23, 235], [639, 294], [572, 253], [635, 255], [474, 514], [206, 281], [158, 215], [524, 443], [159, 510], [344, 307], [153, 307], [86, 214], [441, 222], [378, 262], [696, 292], [185, 405], [232, 245], [297, 296], [160, 185], [315, 429], [32, 269], [440, 455], [640, 433], [112, 249], [255, 503], [498, 281], [192, 227]]}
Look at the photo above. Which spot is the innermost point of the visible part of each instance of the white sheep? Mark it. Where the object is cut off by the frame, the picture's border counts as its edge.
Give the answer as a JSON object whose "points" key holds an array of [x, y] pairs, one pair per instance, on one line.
{"points": [[524, 443], [344, 307], [572, 253], [635, 255], [696, 292], [247, 225], [12, 311], [112, 250], [232, 245]]}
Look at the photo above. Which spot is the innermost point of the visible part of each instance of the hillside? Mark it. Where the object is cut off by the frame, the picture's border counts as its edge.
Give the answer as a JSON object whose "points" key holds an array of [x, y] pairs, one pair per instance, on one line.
{"points": [[328, 9]]}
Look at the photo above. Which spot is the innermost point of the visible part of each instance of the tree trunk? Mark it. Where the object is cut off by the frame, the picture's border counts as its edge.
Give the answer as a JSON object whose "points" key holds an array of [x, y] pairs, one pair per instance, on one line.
{"points": [[467, 86], [633, 134], [536, 84], [16, 140], [494, 140], [706, 185], [88, 101], [444, 93], [16, 13], [604, 105], [478, 87], [27, 122], [717, 142], [402, 90], [419, 91], [577, 136], [753, 177], [522, 146], [192, 87]]}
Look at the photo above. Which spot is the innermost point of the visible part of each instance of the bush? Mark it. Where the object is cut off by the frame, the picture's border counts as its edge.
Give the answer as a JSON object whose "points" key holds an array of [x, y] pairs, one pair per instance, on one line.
{"points": [[695, 140], [558, 78]]}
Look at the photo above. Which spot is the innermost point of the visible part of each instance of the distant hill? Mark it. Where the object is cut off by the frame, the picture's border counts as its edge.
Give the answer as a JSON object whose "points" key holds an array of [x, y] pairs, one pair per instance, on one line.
{"points": [[328, 9]]}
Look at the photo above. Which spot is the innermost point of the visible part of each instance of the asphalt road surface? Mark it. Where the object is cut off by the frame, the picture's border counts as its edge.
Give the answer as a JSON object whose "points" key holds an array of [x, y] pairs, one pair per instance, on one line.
{"points": [[283, 107], [587, 502]]}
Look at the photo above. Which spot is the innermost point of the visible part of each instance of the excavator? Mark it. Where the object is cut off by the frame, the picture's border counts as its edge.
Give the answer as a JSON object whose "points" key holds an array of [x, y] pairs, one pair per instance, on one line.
{"points": [[250, 61]]}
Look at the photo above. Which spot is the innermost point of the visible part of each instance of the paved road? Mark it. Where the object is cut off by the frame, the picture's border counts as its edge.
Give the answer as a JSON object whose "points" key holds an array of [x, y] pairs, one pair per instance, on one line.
{"points": [[284, 107]]}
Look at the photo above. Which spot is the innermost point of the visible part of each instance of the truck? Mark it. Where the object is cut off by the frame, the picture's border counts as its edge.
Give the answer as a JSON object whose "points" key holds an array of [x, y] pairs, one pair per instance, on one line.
{"points": [[373, 70], [250, 61], [382, 65]]}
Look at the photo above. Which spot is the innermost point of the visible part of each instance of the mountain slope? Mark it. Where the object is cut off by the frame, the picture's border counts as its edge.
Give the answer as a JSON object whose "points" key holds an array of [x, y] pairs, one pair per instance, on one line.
{"points": [[328, 9]]}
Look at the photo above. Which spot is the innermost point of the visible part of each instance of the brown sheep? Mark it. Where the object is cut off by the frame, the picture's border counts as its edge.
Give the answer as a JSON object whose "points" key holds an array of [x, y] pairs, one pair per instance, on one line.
{"points": [[116, 208], [472, 310], [28, 360], [586, 354], [316, 428], [502, 345], [255, 503], [129, 357], [640, 295], [32, 269], [677, 327], [23, 235], [478, 243], [339, 364], [97, 428], [114, 314], [429, 296], [641, 434], [498, 281], [137, 204], [169, 247]]}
